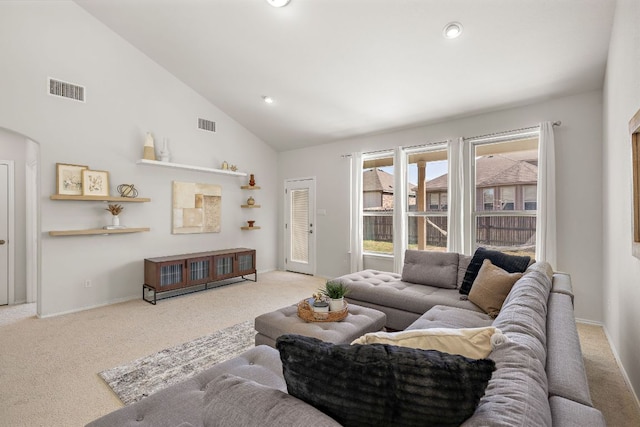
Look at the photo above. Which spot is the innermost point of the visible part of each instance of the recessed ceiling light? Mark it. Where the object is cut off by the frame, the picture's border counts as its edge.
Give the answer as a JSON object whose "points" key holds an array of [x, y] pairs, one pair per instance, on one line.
{"points": [[268, 99], [278, 3], [452, 30]]}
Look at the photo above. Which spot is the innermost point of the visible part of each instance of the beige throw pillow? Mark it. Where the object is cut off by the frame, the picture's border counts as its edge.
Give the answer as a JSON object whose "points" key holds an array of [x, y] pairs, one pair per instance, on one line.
{"points": [[491, 287], [474, 343]]}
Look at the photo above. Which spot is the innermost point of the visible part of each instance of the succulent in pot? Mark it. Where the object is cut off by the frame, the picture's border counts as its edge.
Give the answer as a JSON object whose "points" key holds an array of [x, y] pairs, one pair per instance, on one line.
{"points": [[335, 291]]}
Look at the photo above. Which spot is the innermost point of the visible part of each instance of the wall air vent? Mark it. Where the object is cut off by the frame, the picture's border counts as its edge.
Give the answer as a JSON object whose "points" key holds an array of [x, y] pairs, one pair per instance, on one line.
{"points": [[66, 90], [206, 125]]}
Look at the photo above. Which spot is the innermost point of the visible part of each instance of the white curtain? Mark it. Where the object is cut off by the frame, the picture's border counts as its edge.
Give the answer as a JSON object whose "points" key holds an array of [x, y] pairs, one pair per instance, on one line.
{"points": [[399, 209], [546, 228], [356, 212], [456, 196]]}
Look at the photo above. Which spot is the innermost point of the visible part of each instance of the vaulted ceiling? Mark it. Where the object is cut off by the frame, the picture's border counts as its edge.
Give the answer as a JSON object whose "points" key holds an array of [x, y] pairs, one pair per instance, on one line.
{"points": [[341, 68]]}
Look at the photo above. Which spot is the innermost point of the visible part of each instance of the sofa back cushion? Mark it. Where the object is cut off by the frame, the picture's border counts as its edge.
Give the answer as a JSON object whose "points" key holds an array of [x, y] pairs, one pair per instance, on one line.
{"points": [[438, 269], [517, 394]]}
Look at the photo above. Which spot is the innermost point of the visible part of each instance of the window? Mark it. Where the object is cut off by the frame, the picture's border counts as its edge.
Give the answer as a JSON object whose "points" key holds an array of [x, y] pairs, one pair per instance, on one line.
{"points": [[426, 221], [378, 201], [495, 203], [530, 196], [503, 170], [487, 199], [508, 198]]}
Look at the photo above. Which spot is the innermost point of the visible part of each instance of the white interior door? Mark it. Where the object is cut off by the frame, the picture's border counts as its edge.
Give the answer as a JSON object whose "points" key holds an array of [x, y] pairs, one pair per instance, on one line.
{"points": [[4, 234], [300, 229]]}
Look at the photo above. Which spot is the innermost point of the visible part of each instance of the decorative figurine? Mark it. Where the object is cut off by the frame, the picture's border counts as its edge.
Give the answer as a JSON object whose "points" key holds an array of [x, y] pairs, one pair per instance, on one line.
{"points": [[252, 180], [149, 150]]}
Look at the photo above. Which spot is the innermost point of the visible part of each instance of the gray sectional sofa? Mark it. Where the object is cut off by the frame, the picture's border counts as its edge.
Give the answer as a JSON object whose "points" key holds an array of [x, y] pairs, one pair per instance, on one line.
{"points": [[539, 378]]}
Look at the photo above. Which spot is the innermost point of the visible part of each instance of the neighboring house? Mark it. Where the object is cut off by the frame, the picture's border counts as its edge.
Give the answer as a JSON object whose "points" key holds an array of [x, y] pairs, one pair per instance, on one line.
{"points": [[377, 190], [505, 181]]}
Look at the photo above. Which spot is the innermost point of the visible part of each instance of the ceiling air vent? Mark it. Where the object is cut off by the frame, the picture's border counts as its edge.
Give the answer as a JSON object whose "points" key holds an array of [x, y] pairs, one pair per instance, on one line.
{"points": [[66, 90], [206, 125]]}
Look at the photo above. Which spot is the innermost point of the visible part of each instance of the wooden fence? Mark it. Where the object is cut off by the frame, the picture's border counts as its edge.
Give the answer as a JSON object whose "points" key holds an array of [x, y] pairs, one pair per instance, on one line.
{"points": [[494, 231]]}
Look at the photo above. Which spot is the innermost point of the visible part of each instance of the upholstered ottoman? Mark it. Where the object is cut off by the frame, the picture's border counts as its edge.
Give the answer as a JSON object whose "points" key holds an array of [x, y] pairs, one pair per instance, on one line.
{"points": [[358, 322]]}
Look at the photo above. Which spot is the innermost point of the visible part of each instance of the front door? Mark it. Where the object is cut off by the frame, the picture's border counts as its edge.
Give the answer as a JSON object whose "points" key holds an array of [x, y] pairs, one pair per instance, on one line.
{"points": [[300, 228], [4, 234]]}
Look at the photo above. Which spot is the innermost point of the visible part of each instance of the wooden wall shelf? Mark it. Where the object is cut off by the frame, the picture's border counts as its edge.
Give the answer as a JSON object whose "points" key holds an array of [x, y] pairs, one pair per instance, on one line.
{"points": [[97, 231], [248, 187], [100, 198], [250, 228], [189, 167], [250, 206]]}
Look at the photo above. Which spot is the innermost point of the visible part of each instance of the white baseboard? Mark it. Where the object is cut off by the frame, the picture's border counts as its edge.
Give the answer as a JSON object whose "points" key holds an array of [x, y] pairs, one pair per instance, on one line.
{"points": [[589, 322], [76, 310], [619, 362]]}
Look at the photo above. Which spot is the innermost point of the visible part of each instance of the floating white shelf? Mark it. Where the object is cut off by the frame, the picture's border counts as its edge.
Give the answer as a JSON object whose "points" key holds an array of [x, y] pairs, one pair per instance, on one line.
{"points": [[189, 167]]}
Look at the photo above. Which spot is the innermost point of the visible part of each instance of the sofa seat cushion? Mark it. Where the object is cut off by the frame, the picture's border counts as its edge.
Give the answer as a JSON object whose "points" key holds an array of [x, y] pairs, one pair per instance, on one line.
{"points": [[432, 268], [383, 385], [387, 290], [442, 316], [232, 401]]}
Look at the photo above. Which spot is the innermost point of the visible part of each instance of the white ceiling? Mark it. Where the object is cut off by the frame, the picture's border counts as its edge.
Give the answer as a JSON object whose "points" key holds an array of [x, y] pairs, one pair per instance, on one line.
{"points": [[341, 68]]}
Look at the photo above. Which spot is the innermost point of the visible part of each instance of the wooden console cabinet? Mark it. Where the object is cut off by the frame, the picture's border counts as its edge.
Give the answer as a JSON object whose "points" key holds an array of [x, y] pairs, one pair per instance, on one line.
{"points": [[171, 273]]}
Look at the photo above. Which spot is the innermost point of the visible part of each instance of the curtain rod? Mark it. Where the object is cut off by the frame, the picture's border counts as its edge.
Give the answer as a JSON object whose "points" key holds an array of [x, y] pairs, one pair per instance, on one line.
{"points": [[556, 123], [530, 128], [428, 144]]}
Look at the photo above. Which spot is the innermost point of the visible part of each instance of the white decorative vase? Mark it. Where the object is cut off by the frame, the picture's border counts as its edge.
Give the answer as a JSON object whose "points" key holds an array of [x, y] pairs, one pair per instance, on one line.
{"points": [[115, 221], [165, 154], [336, 304]]}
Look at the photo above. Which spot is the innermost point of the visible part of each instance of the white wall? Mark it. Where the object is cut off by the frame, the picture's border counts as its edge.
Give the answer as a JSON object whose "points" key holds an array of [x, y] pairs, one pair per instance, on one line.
{"points": [[621, 269], [579, 184], [14, 147], [127, 95]]}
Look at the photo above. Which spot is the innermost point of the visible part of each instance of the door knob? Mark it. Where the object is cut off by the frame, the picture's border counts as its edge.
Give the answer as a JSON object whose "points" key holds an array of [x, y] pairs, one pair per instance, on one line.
{"points": [[2, 242]]}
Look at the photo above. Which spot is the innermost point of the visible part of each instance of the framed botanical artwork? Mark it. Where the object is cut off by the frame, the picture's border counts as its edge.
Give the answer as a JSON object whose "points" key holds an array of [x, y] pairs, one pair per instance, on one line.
{"points": [[95, 183], [69, 179]]}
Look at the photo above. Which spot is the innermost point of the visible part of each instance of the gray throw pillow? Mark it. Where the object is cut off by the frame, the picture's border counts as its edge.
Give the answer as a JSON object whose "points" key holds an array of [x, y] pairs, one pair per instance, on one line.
{"points": [[383, 385], [433, 268]]}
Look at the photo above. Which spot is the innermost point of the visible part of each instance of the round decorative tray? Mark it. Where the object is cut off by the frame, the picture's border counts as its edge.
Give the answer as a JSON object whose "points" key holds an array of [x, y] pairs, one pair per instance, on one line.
{"points": [[306, 313]]}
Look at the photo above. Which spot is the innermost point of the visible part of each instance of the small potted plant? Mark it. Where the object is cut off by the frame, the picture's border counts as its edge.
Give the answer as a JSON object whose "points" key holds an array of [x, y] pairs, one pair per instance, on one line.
{"points": [[115, 211], [336, 292], [319, 303]]}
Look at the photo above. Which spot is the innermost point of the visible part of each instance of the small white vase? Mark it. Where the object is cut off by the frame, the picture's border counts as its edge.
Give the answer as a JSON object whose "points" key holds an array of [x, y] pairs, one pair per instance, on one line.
{"points": [[336, 304], [115, 221]]}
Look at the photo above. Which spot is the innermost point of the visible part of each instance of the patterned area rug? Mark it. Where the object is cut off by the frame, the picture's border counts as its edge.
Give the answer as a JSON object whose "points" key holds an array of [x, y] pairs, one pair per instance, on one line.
{"points": [[142, 377]]}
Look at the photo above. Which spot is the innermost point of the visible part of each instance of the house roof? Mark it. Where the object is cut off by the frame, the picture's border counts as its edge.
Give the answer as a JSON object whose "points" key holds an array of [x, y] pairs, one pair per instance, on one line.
{"points": [[377, 180], [517, 168]]}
